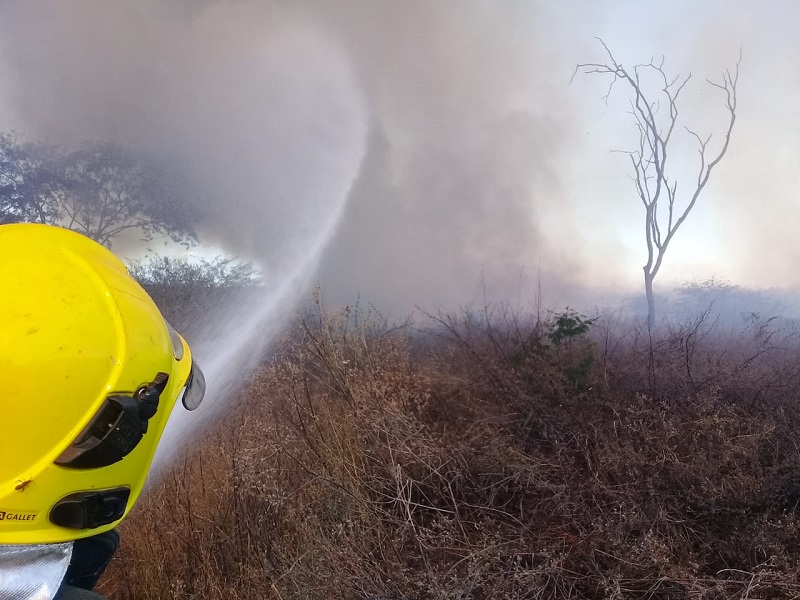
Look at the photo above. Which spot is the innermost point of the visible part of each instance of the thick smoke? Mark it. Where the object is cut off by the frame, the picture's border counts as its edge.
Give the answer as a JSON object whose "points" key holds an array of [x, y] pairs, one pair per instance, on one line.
{"points": [[465, 141], [462, 185], [242, 100], [483, 162]]}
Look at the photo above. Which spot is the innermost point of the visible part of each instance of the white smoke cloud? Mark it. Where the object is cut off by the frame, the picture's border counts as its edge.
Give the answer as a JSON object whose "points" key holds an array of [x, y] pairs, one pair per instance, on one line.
{"points": [[482, 161], [463, 156]]}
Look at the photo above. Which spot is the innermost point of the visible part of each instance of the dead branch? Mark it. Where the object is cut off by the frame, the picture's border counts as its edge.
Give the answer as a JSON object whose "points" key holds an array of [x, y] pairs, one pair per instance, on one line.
{"points": [[665, 210]]}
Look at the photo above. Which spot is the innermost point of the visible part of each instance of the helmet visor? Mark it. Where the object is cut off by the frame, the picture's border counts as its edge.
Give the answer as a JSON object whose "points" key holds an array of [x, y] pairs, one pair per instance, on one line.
{"points": [[195, 388], [177, 341]]}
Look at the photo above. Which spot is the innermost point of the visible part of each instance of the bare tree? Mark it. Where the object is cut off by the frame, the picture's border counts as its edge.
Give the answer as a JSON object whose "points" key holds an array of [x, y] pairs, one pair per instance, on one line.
{"points": [[655, 113]]}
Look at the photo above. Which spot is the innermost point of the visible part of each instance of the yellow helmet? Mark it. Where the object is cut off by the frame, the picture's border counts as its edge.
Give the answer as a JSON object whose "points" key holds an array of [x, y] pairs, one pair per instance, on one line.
{"points": [[89, 373]]}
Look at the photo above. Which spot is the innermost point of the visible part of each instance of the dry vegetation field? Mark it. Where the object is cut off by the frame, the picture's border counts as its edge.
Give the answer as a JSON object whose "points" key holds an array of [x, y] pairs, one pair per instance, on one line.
{"points": [[488, 455]]}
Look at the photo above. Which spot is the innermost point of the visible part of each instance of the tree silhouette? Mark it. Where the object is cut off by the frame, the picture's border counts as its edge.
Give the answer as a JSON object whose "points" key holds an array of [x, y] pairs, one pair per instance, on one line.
{"points": [[110, 191], [654, 107], [31, 187], [98, 189]]}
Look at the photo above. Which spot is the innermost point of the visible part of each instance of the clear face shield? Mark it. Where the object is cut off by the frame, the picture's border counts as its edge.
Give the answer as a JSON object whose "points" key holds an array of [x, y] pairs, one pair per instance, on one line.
{"points": [[195, 388]]}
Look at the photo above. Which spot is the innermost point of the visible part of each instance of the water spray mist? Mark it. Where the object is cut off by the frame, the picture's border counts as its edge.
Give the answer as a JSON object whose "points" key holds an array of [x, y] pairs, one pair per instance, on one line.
{"points": [[325, 151]]}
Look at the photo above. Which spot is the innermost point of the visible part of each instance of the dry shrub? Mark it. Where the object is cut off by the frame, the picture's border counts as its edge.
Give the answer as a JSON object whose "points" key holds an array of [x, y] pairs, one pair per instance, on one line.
{"points": [[469, 462]]}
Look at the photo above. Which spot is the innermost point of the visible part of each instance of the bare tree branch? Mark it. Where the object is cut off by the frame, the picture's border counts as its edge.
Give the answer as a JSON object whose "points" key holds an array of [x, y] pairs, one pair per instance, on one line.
{"points": [[650, 160]]}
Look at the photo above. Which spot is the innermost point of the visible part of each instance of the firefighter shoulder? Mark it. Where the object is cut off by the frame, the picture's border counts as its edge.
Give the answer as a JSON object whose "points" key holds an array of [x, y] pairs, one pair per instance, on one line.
{"points": [[89, 374]]}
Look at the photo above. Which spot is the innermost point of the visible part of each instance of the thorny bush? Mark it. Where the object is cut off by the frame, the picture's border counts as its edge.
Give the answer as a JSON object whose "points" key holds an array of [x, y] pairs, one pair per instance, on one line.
{"points": [[466, 462]]}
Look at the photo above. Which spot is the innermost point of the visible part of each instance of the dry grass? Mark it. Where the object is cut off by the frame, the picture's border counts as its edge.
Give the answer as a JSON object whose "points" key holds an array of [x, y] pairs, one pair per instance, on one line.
{"points": [[480, 460]]}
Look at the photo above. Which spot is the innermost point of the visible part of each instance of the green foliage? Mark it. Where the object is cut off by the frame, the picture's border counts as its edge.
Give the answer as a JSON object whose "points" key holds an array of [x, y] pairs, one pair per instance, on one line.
{"points": [[578, 373], [575, 354], [568, 326]]}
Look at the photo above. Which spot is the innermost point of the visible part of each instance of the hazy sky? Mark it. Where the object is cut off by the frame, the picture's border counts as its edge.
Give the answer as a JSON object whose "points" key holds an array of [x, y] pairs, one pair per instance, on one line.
{"points": [[480, 159]]}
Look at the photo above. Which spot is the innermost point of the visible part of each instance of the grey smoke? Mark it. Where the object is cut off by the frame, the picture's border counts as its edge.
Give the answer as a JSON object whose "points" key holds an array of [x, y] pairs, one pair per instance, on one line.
{"points": [[467, 126], [482, 161]]}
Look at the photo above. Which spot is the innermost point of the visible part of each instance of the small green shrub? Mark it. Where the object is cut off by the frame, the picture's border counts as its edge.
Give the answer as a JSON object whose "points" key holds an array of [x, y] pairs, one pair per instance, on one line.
{"points": [[569, 326]]}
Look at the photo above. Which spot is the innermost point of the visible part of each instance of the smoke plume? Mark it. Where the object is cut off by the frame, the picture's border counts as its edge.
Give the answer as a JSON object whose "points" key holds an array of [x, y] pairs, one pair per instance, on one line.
{"points": [[466, 134]]}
